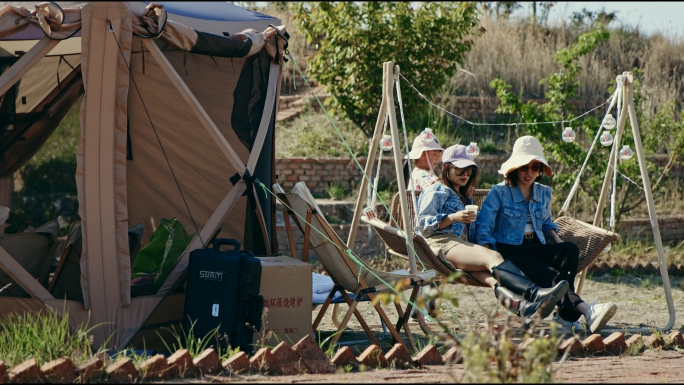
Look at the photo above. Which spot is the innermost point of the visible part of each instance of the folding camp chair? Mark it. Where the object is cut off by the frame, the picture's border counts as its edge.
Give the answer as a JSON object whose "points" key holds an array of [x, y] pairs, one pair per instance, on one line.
{"points": [[349, 275], [34, 250]]}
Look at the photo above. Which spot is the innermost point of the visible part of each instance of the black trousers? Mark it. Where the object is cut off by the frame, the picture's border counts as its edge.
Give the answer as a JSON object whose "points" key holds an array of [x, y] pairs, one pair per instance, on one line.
{"points": [[546, 265]]}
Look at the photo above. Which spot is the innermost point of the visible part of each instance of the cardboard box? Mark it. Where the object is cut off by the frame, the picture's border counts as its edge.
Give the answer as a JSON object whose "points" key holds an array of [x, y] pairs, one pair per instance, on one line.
{"points": [[286, 288]]}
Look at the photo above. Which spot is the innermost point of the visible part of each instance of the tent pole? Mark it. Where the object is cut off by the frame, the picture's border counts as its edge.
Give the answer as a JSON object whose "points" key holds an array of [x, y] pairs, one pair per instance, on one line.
{"points": [[23, 278], [393, 70], [26, 62], [271, 94], [607, 180], [195, 105], [206, 232], [370, 161]]}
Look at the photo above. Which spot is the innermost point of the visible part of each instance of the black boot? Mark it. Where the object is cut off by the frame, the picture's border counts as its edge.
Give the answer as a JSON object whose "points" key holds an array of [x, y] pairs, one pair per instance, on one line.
{"points": [[523, 308], [512, 278]]}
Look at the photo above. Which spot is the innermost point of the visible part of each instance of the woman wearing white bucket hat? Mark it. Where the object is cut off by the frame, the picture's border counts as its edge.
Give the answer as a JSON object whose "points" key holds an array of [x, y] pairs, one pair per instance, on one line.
{"points": [[426, 152], [442, 220], [515, 219]]}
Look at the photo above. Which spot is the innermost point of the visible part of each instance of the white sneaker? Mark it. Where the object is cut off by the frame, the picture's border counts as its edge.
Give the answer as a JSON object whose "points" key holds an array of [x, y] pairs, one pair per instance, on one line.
{"points": [[599, 314], [566, 326]]}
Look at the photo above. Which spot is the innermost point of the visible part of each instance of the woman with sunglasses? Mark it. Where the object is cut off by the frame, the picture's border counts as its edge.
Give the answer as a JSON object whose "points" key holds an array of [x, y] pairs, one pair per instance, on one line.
{"points": [[443, 221], [515, 219]]}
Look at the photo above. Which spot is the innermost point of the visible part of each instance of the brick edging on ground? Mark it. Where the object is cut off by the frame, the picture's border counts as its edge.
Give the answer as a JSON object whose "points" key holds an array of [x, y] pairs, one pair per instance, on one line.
{"points": [[304, 357]]}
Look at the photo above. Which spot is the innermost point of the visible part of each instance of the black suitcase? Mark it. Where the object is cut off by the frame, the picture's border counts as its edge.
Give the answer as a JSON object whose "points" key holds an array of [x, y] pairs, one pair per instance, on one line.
{"points": [[223, 291]]}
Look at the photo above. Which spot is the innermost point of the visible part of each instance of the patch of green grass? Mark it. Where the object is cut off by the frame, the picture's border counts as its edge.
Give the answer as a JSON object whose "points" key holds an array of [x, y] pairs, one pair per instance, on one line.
{"points": [[647, 283], [45, 336], [336, 192], [617, 273], [311, 135], [194, 344]]}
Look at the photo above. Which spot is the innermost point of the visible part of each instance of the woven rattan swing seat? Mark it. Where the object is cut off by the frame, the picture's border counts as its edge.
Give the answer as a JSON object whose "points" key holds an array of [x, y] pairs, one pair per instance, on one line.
{"points": [[590, 240]]}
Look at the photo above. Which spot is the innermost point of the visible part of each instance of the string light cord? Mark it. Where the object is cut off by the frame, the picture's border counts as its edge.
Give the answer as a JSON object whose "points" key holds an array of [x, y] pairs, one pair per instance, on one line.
{"points": [[500, 124]]}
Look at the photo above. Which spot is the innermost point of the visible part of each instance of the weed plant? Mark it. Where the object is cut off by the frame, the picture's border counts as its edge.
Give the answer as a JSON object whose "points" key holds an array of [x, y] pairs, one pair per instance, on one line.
{"points": [[491, 355], [194, 344], [336, 192], [45, 336]]}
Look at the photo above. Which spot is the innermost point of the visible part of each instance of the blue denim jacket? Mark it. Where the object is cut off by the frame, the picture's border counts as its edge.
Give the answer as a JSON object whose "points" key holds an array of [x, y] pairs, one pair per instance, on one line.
{"points": [[503, 215], [435, 203]]}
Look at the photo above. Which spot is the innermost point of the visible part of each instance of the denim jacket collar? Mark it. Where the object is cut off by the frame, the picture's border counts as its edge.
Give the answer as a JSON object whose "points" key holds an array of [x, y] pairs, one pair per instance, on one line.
{"points": [[518, 196]]}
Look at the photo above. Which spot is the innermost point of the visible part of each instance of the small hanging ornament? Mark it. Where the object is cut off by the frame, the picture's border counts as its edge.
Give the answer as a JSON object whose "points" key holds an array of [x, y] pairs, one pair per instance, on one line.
{"points": [[386, 143], [606, 249], [472, 150], [606, 138], [609, 122], [626, 153], [568, 135], [426, 136]]}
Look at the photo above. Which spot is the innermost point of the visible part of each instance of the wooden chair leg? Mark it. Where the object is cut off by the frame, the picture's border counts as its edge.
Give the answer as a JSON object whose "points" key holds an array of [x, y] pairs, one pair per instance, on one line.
{"points": [[343, 324], [307, 236], [321, 313], [363, 323], [290, 235], [404, 317], [385, 319]]}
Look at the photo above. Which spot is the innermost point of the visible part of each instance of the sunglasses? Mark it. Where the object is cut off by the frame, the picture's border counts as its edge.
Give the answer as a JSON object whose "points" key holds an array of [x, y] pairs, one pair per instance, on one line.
{"points": [[462, 171], [536, 167]]}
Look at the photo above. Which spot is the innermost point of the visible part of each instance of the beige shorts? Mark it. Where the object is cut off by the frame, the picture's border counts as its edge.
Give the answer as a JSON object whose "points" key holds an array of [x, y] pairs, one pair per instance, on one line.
{"points": [[443, 242]]}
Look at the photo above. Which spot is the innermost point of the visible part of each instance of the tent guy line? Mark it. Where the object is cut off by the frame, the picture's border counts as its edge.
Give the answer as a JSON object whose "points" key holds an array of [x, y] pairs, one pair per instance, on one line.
{"points": [[110, 28]]}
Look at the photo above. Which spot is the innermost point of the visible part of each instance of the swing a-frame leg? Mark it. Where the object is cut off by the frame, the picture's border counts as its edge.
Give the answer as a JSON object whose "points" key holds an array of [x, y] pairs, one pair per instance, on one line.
{"points": [[628, 106]]}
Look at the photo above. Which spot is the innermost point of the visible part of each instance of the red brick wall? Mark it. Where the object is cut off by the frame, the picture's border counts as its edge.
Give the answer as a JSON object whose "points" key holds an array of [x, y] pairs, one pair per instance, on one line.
{"points": [[319, 173]]}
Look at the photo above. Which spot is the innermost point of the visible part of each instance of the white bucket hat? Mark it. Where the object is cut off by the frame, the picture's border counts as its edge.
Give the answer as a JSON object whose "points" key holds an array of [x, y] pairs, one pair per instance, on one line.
{"points": [[525, 150], [426, 141]]}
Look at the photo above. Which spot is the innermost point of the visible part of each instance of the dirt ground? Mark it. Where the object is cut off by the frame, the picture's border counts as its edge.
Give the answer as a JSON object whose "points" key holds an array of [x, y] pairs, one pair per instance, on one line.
{"points": [[650, 367], [640, 300]]}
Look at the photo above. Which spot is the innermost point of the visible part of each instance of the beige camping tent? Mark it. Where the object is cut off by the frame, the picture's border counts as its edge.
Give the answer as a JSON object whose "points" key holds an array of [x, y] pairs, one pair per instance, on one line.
{"points": [[177, 120]]}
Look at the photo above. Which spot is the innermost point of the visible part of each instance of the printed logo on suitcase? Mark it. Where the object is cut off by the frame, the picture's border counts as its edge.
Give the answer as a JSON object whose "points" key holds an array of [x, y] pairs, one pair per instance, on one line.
{"points": [[211, 275]]}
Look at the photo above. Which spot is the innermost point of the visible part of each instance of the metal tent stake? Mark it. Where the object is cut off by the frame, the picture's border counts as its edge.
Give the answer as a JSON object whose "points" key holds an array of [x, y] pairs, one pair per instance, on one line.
{"points": [[627, 109]]}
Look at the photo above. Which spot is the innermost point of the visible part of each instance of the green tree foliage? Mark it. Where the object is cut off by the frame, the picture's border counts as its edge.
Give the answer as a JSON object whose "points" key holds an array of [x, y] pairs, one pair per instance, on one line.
{"points": [[663, 132], [354, 39]]}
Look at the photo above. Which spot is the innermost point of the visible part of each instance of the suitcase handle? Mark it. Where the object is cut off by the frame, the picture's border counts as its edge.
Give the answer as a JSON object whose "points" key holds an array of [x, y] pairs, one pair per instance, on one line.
{"points": [[225, 241]]}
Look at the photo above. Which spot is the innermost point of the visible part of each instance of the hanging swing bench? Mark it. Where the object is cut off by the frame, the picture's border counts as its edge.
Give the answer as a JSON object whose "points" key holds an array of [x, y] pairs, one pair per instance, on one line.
{"points": [[590, 240]]}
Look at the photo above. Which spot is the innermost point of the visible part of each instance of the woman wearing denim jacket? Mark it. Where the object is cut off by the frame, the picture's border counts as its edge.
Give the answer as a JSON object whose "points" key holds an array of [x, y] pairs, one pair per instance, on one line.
{"points": [[515, 219], [442, 219]]}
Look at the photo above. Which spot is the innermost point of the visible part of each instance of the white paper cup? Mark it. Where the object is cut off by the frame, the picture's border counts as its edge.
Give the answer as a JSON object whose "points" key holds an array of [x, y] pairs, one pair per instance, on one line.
{"points": [[472, 208]]}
